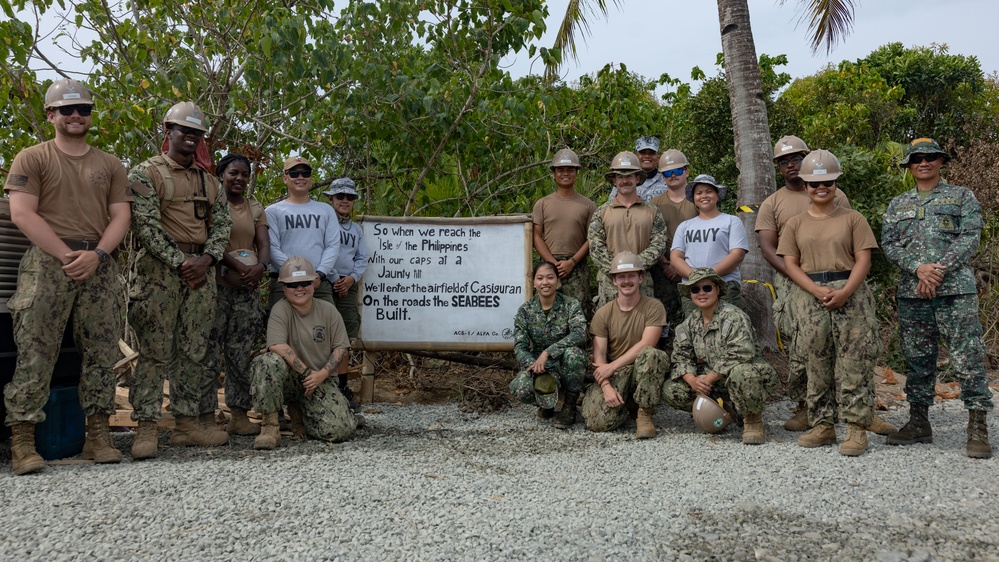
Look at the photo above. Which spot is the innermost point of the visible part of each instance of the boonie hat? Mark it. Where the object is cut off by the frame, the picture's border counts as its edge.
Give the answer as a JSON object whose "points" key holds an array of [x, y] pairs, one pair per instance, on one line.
{"points": [[342, 185], [671, 160], [923, 146], [295, 161], [626, 261], [296, 269], [647, 143], [820, 165], [699, 274], [546, 390], [710, 180]]}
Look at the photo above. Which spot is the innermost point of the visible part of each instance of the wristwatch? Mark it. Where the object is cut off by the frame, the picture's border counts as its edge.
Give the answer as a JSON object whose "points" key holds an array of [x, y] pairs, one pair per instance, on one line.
{"points": [[322, 276], [102, 255]]}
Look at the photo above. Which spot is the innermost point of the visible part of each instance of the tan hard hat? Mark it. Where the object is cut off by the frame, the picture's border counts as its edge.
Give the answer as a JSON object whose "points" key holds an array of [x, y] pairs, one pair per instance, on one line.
{"points": [[565, 158], [790, 144], [626, 261], [820, 165], [671, 160], [186, 114], [66, 91], [297, 268], [244, 256], [708, 415], [625, 163]]}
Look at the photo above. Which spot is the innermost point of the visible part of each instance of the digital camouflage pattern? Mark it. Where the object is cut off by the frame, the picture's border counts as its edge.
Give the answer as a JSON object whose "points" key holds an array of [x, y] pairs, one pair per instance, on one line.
{"points": [[727, 346], [601, 257], [561, 332], [237, 333], [797, 379], [642, 381], [652, 187], [577, 285], [327, 415], [40, 309], [840, 348]]}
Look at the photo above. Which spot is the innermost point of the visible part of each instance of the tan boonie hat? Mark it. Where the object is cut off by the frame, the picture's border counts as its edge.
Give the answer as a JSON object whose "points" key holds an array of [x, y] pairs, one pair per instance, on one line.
{"points": [[296, 269], [565, 158], [626, 261], [295, 161], [67, 91], [820, 165], [671, 160], [699, 274], [923, 146], [790, 144]]}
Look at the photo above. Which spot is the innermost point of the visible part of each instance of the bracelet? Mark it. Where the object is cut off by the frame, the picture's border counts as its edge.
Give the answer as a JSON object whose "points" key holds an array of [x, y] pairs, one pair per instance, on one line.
{"points": [[573, 260]]}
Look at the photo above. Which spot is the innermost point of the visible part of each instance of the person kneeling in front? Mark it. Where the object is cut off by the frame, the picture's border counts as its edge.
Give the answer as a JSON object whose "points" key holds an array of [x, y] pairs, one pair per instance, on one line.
{"points": [[306, 340]]}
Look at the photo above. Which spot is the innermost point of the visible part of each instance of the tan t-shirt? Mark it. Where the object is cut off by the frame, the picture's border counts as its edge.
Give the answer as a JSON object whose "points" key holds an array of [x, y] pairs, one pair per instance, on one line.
{"points": [[177, 215], [564, 220], [784, 203], [674, 213], [628, 228], [73, 192], [624, 329], [313, 336], [246, 217], [828, 243]]}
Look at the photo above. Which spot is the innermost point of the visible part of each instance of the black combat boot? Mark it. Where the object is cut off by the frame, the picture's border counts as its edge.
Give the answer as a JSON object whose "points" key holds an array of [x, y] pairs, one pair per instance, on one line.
{"points": [[566, 417], [916, 430]]}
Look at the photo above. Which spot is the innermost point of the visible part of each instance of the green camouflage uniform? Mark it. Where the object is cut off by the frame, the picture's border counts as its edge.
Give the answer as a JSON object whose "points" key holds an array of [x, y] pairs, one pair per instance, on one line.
{"points": [[840, 348], [727, 346], [797, 379], [601, 257], [326, 413], [641, 381], [561, 333], [171, 320], [40, 309], [944, 228], [239, 327]]}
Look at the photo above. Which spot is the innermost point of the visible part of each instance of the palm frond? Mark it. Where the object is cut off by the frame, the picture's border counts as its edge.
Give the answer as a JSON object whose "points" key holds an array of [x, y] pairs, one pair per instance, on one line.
{"points": [[575, 21], [829, 21]]}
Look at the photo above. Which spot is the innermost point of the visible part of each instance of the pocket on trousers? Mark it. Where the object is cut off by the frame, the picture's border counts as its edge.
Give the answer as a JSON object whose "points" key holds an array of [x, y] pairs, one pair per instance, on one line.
{"points": [[24, 296]]}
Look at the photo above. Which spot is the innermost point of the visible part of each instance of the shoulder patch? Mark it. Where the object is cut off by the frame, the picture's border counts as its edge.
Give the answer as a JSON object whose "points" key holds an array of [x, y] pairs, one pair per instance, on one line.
{"points": [[17, 180], [140, 188]]}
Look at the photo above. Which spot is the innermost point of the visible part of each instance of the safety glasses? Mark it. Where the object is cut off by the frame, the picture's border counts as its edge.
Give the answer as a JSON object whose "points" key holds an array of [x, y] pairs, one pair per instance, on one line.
{"points": [[83, 110], [707, 288], [342, 196], [796, 159], [298, 284], [673, 172], [299, 174], [818, 184], [188, 130], [913, 159]]}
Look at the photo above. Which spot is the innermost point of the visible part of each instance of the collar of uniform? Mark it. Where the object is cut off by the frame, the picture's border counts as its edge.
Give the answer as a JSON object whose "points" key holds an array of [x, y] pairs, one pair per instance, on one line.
{"points": [[174, 165], [558, 304], [615, 203]]}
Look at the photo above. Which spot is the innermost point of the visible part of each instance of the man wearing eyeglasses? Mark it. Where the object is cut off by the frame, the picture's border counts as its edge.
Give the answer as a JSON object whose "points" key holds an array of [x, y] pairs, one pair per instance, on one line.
{"points": [[676, 208], [72, 202], [300, 226], [181, 222], [931, 233]]}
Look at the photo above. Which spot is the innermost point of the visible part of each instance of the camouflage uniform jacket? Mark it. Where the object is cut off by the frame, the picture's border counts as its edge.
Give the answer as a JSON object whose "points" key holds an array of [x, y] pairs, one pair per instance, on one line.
{"points": [[148, 228], [597, 237], [534, 331], [944, 228], [726, 342]]}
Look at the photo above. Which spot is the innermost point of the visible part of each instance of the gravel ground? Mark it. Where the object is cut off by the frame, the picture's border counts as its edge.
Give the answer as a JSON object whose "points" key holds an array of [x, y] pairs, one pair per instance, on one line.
{"points": [[432, 483]]}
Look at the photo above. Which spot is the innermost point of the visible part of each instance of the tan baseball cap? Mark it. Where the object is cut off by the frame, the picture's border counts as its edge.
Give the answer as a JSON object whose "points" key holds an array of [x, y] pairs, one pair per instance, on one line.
{"points": [[296, 161]]}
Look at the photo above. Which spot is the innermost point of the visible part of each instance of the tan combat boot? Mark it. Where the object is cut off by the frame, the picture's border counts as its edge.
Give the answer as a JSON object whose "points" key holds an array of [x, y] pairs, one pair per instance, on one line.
{"points": [[144, 446], [24, 459], [856, 441], [297, 421], [98, 447], [189, 431], [978, 436], [881, 426], [644, 428], [270, 433], [799, 418], [821, 434], [239, 424], [752, 430]]}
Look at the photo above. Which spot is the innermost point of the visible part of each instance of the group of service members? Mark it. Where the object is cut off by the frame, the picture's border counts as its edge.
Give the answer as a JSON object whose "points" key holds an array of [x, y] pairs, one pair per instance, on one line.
{"points": [[666, 257]]}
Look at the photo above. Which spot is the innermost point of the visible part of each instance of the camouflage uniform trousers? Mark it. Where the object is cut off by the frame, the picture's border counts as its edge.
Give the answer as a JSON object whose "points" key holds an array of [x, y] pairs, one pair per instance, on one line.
{"points": [[569, 370], [40, 309], [733, 296], [797, 380], [840, 348], [922, 322], [239, 327], [747, 385], [642, 381], [327, 415], [172, 323], [577, 286], [607, 291]]}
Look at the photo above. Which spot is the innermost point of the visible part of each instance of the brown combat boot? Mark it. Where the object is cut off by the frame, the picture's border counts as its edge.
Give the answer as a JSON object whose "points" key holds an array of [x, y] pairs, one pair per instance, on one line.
{"points": [[270, 433], [566, 417], [881, 426], [856, 441], [98, 447], [545, 413], [752, 430], [978, 436], [644, 428], [239, 424], [821, 434], [297, 421], [189, 431], [144, 446], [799, 418], [24, 459]]}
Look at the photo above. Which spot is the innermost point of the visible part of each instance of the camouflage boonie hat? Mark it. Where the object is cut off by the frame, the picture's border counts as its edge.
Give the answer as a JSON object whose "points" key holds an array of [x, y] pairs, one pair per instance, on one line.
{"points": [[546, 390], [705, 179], [923, 146], [646, 143], [342, 185], [700, 274]]}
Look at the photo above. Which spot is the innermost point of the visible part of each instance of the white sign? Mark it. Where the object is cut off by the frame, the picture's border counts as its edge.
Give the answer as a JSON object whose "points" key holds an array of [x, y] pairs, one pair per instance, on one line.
{"points": [[444, 284]]}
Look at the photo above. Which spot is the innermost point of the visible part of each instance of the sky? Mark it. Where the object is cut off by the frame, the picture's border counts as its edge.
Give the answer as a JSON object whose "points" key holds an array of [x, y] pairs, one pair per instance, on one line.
{"points": [[651, 37]]}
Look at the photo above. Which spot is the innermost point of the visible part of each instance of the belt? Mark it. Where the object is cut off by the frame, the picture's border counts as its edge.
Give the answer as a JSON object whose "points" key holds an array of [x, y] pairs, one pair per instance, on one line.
{"points": [[191, 248], [81, 244], [827, 276]]}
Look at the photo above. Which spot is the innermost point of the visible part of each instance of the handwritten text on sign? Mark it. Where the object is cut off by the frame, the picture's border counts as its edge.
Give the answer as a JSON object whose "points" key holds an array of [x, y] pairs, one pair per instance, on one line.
{"points": [[458, 282]]}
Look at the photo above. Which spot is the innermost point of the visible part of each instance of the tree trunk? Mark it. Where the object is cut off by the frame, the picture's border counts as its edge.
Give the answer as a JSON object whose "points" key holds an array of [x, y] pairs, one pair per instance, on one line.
{"points": [[752, 152]]}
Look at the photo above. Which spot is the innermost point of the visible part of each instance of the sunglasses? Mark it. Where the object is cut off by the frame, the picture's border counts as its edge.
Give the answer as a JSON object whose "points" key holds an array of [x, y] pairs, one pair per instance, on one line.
{"points": [[83, 110], [342, 196], [673, 172], [188, 130], [818, 184], [790, 160], [298, 284], [706, 288], [914, 159], [299, 173]]}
